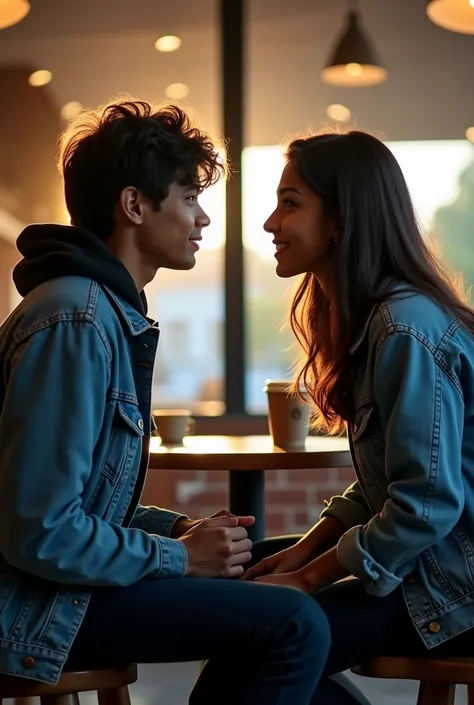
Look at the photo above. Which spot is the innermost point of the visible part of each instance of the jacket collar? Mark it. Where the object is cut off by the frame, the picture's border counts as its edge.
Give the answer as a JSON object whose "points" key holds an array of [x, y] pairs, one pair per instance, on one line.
{"points": [[392, 289], [133, 320]]}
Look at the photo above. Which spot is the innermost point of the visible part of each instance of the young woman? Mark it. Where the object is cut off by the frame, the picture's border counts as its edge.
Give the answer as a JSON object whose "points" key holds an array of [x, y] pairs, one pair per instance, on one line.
{"points": [[388, 353]]}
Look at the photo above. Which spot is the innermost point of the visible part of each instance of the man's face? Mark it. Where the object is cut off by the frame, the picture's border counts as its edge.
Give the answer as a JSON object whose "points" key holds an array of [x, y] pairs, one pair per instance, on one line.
{"points": [[170, 236]]}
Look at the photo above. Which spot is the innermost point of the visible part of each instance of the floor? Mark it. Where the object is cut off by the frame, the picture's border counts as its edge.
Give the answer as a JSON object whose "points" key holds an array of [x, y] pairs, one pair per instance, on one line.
{"points": [[170, 685]]}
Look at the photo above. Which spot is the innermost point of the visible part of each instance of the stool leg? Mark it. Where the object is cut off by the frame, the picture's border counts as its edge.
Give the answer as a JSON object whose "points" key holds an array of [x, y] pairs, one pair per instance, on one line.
{"points": [[114, 696], [71, 699], [430, 693], [470, 695]]}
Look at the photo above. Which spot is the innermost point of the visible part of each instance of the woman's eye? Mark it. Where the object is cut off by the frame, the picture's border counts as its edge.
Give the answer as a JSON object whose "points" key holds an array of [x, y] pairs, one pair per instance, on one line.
{"points": [[193, 198], [288, 202]]}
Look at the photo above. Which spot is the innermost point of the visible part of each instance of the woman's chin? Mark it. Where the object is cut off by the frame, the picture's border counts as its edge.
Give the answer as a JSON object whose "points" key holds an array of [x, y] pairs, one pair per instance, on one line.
{"points": [[285, 270]]}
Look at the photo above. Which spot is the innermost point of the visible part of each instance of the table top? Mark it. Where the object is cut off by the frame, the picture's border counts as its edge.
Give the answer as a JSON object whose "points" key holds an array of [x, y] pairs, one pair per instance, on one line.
{"points": [[248, 453]]}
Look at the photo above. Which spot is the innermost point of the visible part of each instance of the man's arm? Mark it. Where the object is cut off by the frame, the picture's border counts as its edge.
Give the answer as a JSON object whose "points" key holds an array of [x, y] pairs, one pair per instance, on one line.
{"points": [[51, 418], [162, 522]]}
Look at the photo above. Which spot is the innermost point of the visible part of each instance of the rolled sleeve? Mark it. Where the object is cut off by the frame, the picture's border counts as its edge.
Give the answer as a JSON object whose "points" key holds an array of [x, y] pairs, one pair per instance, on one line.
{"points": [[358, 562], [350, 508], [155, 520]]}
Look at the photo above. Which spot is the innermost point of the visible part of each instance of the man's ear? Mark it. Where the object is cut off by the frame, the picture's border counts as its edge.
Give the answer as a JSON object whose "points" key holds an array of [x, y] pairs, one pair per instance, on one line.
{"points": [[131, 205]]}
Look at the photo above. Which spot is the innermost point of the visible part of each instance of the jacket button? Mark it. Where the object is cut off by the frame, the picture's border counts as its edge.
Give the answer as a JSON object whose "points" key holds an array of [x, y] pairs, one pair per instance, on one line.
{"points": [[434, 627], [411, 579], [75, 603], [144, 363], [140, 424], [28, 662]]}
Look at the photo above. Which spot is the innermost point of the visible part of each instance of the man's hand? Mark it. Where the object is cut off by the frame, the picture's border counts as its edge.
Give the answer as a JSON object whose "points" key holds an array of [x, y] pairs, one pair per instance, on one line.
{"points": [[182, 526], [217, 547]]}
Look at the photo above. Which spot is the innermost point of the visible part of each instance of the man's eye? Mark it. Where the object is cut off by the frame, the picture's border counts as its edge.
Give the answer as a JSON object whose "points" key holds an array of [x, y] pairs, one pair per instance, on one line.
{"points": [[288, 202], [193, 198]]}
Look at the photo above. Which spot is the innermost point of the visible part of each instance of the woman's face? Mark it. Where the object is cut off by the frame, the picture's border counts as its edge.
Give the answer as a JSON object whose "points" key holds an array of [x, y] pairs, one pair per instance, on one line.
{"points": [[304, 236]]}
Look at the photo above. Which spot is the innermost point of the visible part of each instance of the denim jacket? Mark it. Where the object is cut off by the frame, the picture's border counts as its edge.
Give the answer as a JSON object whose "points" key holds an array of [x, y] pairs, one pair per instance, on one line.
{"points": [[76, 366], [410, 515]]}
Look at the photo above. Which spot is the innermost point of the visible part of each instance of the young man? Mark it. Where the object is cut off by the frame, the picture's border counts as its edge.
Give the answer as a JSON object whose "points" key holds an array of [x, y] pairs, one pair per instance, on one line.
{"points": [[88, 577]]}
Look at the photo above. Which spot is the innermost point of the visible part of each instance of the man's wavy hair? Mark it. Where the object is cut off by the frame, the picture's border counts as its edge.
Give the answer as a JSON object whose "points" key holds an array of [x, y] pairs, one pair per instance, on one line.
{"points": [[130, 143]]}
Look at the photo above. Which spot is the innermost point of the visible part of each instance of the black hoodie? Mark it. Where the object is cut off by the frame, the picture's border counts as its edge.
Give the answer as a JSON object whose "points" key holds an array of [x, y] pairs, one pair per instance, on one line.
{"points": [[52, 251]]}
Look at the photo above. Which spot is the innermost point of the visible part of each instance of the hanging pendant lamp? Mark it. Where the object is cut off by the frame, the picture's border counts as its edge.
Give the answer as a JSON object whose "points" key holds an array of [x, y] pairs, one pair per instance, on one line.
{"points": [[454, 15], [354, 60], [12, 12]]}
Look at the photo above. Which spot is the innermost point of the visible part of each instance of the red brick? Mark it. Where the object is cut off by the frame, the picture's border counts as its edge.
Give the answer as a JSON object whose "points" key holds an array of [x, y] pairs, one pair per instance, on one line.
{"points": [[301, 519], [275, 522], [208, 499], [286, 497], [346, 475], [309, 476]]}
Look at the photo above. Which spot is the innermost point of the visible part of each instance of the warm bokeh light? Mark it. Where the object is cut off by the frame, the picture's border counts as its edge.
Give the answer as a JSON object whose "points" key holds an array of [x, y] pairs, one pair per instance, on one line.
{"points": [[12, 12], [338, 112], [40, 78], [354, 75], [167, 43], [354, 69], [176, 91], [70, 110], [470, 131], [453, 15]]}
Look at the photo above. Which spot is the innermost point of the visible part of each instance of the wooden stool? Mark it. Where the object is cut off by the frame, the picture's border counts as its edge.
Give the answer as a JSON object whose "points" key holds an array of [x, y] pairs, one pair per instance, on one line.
{"points": [[438, 677], [111, 686]]}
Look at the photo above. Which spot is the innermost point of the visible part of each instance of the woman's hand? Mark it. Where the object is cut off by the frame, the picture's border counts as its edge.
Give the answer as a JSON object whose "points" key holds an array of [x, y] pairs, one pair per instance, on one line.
{"points": [[297, 579], [287, 561]]}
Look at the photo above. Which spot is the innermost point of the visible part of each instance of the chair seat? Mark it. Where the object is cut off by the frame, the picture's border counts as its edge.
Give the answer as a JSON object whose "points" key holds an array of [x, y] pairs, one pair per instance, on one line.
{"points": [[449, 670], [70, 682]]}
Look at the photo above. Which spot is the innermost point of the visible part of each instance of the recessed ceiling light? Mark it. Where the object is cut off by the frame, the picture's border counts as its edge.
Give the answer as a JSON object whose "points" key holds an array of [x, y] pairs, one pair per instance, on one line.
{"points": [[176, 91], [339, 113], [40, 78], [12, 12], [70, 110], [470, 134], [167, 43]]}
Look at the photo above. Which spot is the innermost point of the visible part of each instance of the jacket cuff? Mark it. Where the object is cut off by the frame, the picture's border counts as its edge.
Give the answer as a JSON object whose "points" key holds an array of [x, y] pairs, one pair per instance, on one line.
{"points": [[161, 521], [358, 562], [174, 558]]}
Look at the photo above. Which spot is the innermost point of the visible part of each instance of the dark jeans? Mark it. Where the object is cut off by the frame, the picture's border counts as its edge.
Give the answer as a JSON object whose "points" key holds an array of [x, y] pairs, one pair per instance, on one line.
{"points": [[265, 645]]}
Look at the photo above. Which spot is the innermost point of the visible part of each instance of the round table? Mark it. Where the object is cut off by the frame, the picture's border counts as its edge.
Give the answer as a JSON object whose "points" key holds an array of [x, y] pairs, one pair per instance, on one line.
{"points": [[246, 458]]}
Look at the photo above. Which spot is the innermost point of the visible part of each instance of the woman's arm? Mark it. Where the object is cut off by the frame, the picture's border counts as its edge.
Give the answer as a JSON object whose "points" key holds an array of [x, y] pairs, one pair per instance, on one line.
{"points": [[421, 409]]}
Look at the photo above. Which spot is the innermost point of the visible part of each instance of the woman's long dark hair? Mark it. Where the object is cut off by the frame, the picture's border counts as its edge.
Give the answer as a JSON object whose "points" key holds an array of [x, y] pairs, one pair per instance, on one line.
{"points": [[361, 185]]}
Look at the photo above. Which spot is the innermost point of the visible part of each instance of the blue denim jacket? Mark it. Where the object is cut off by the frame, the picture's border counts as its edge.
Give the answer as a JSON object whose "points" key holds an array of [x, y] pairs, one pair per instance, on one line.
{"points": [[76, 365], [410, 515]]}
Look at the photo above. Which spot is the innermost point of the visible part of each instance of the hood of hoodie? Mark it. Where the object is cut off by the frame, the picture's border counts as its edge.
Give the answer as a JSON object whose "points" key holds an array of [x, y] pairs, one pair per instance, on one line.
{"points": [[52, 251]]}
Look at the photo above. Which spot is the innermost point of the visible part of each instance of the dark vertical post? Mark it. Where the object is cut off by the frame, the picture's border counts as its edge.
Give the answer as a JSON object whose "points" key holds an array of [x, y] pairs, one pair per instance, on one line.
{"points": [[232, 52]]}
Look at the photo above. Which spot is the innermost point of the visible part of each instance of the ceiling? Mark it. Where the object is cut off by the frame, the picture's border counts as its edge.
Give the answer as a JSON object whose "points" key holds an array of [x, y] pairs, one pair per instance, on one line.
{"points": [[98, 48]]}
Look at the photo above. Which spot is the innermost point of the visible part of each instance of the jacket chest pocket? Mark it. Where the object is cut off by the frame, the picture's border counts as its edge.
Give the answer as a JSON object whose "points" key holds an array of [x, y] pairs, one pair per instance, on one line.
{"points": [[122, 455], [127, 431], [369, 452]]}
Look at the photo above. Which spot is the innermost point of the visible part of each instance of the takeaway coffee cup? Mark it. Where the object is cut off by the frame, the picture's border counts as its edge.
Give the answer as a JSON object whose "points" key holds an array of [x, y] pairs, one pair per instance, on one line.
{"points": [[288, 416]]}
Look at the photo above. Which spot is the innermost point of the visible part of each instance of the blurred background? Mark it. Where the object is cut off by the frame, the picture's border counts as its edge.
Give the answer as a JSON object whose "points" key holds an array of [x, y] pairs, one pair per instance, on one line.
{"points": [[412, 87]]}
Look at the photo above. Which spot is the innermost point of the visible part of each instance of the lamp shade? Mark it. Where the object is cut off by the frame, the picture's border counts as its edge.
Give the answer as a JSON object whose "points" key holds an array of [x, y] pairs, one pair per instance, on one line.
{"points": [[354, 60], [455, 15], [12, 12]]}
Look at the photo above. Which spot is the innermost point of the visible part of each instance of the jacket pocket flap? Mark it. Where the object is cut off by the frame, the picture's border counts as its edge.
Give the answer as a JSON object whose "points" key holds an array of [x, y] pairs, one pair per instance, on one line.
{"points": [[130, 414]]}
